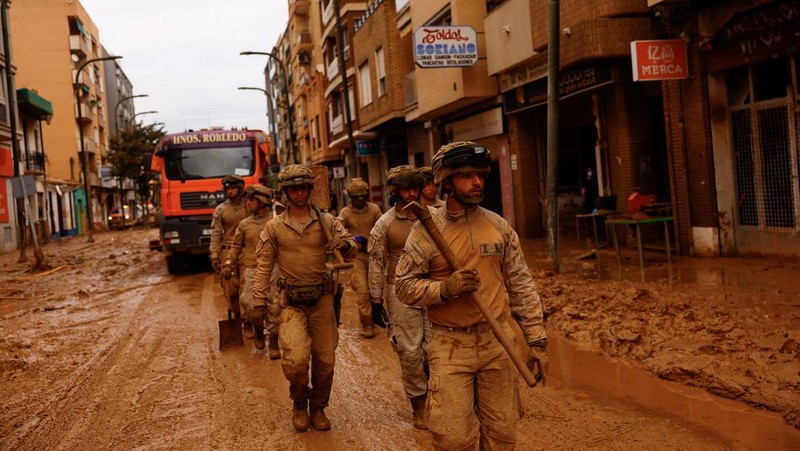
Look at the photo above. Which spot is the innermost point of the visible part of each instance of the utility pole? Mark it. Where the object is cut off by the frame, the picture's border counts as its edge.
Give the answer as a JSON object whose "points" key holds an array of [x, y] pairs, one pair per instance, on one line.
{"points": [[352, 153], [553, 57]]}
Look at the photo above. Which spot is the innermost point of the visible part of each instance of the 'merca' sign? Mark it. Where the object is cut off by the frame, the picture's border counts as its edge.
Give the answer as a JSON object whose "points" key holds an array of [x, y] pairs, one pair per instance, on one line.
{"points": [[445, 46], [659, 60]]}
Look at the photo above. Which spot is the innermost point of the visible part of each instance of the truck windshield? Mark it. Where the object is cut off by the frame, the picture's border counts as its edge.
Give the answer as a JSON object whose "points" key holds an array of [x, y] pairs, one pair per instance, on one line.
{"points": [[208, 162]]}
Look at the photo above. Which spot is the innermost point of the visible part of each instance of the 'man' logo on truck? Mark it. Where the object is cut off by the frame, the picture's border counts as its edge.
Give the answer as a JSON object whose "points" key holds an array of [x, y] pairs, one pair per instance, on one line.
{"points": [[212, 197]]}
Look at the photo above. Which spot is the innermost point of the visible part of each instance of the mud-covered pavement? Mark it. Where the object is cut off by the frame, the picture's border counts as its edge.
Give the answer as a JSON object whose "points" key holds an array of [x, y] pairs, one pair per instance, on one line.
{"points": [[108, 351]]}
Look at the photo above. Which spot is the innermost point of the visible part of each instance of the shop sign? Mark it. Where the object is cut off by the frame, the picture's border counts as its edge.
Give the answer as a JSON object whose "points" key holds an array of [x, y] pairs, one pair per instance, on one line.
{"points": [[4, 216], [6, 162], [338, 172], [368, 148], [659, 60], [571, 82], [454, 46], [488, 123]]}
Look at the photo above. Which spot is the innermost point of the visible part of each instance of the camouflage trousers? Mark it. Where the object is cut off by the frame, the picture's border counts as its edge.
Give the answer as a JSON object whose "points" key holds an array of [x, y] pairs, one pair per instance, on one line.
{"points": [[472, 391], [308, 337], [268, 315], [358, 282], [408, 332]]}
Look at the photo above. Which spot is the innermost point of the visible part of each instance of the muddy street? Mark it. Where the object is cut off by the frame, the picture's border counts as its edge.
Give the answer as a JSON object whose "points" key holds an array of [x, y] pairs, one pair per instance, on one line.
{"points": [[105, 350]]}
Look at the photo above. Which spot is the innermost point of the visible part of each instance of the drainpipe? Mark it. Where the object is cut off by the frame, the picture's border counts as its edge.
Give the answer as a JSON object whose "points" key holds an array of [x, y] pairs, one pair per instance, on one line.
{"points": [[553, 58]]}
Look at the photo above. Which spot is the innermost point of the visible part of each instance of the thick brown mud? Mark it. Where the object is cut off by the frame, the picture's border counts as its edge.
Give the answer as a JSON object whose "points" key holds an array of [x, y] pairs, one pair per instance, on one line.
{"points": [[108, 351]]}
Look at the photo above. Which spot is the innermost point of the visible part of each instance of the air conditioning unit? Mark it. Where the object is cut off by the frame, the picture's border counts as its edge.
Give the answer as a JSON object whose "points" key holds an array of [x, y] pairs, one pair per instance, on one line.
{"points": [[303, 58]]}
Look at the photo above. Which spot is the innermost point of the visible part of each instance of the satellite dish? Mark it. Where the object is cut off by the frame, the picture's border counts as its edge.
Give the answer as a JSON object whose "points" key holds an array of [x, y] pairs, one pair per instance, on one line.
{"points": [[74, 58]]}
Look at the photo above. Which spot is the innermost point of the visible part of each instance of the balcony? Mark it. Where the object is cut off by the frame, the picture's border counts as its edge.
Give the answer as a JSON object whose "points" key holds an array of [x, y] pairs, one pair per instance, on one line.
{"points": [[333, 69], [337, 125], [298, 7], [302, 42], [327, 14], [78, 45], [87, 113]]}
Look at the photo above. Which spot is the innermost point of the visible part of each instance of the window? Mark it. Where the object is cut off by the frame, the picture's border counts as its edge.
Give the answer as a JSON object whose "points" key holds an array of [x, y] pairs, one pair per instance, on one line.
{"points": [[366, 88], [443, 18], [380, 65]]}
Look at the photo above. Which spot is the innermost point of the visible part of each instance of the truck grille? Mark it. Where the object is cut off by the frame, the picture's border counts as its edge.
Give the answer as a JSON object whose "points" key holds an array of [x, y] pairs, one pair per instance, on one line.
{"points": [[201, 200]]}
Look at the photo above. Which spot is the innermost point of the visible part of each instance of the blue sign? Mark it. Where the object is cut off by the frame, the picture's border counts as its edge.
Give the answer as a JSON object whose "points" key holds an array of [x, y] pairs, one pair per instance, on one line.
{"points": [[368, 148]]}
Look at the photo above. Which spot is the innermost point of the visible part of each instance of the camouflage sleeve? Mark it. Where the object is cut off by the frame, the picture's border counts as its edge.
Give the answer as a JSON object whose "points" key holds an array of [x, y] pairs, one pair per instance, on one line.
{"points": [[342, 218], [378, 251], [216, 232], [412, 283], [337, 229], [266, 254], [526, 305], [237, 244]]}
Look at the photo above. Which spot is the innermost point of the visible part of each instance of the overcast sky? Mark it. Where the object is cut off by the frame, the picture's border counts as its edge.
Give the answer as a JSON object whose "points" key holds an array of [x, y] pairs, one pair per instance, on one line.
{"points": [[185, 55]]}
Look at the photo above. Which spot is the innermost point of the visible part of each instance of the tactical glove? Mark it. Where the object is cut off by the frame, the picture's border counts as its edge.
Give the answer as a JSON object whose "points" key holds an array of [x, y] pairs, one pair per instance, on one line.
{"points": [[227, 269], [460, 282], [538, 362], [337, 243]]}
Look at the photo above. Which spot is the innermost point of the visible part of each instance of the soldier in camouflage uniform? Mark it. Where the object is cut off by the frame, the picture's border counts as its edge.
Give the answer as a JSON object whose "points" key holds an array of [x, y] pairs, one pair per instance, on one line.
{"points": [[407, 324], [296, 241], [472, 389], [242, 259], [226, 217], [428, 195], [358, 218]]}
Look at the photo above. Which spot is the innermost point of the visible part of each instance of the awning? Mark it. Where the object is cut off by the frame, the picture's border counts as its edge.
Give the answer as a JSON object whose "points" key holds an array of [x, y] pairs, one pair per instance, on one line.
{"points": [[33, 105]]}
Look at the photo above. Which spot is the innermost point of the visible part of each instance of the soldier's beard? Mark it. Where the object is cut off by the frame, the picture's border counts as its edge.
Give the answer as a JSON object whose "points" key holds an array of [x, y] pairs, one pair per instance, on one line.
{"points": [[468, 200]]}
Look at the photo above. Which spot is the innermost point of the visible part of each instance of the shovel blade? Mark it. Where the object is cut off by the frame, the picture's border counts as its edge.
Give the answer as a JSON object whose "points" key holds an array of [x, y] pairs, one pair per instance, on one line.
{"points": [[230, 333]]}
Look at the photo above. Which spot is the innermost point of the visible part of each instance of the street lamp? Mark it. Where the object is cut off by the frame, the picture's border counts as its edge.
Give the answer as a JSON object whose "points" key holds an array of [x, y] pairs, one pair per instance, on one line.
{"points": [[85, 157], [120, 101], [270, 111], [143, 112], [285, 94]]}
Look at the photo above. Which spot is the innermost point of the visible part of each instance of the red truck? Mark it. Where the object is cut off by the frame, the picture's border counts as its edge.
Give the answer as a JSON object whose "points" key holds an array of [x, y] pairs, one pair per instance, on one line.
{"points": [[189, 168]]}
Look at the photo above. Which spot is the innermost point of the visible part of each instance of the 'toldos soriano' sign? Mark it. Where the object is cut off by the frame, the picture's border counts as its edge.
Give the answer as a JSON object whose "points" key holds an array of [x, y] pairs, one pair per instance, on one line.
{"points": [[455, 46], [659, 60]]}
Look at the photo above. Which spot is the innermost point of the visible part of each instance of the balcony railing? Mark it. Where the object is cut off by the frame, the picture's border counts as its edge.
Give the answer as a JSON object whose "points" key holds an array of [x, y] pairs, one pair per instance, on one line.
{"points": [[333, 69], [78, 45], [337, 125], [327, 14], [87, 115], [298, 7]]}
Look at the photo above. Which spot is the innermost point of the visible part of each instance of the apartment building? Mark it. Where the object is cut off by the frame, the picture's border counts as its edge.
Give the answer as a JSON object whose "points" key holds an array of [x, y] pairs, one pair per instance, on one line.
{"points": [[383, 59], [8, 212], [121, 111], [66, 34]]}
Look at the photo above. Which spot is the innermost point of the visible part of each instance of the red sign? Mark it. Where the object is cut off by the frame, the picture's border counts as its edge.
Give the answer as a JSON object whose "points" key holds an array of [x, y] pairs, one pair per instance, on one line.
{"points": [[659, 60], [3, 202], [6, 162]]}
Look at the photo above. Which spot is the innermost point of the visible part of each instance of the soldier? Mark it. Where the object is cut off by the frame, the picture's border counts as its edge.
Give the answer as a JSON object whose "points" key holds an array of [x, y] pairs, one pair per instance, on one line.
{"points": [[226, 217], [472, 390], [242, 259], [429, 191], [358, 218], [406, 324], [296, 241]]}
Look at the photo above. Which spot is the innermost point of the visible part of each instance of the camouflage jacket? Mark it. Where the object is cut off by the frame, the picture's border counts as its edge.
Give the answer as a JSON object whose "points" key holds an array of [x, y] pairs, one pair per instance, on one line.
{"points": [[226, 217]]}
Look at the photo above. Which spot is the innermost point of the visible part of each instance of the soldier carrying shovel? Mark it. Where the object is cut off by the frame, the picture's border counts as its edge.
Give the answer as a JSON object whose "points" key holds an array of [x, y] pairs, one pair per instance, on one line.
{"points": [[472, 390]]}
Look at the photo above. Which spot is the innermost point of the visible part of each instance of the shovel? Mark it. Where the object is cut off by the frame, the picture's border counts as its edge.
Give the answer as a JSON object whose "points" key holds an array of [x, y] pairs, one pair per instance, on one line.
{"points": [[230, 330]]}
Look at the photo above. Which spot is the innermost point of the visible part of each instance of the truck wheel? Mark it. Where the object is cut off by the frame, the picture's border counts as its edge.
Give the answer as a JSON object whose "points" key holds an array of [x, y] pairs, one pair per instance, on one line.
{"points": [[174, 264]]}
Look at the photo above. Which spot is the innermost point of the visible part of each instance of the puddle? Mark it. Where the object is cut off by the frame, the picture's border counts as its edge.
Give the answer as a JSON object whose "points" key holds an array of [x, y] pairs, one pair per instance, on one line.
{"points": [[734, 422]]}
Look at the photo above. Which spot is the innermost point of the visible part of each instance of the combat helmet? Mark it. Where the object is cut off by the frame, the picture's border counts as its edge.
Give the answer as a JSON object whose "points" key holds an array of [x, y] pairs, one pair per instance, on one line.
{"points": [[404, 176], [458, 157], [260, 193], [232, 180], [295, 175], [357, 187]]}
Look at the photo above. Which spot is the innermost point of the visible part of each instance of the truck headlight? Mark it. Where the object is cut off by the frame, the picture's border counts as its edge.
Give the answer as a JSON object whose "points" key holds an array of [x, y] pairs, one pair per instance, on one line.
{"points": [[205, 232], [171, 234]]}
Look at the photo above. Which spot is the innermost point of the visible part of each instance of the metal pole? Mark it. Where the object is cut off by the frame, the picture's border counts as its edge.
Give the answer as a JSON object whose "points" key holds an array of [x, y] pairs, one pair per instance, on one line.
{"points": [[285, 89], [553, 57], [119, 102], [354, 167]]}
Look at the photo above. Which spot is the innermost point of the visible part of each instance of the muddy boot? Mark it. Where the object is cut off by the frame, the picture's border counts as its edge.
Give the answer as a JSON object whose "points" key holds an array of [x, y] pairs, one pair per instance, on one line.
{"points": [[258, 340], [369, 331], [274, 350], [300, 418], [319, 420], [418, 407], [247, 329]]}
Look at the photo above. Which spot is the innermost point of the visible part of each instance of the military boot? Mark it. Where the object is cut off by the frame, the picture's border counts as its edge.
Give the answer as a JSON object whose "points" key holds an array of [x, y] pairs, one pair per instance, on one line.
{"points": [[319, 420], [369, 331], [247, 329], [418, 407], [258, 339], [300, 419], [274, 350]]}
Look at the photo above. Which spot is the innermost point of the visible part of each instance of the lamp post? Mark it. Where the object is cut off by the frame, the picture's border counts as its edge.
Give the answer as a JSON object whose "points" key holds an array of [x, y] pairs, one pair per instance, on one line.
{"points": [[120, 102], [270, 109], [84, 156], [285, 90], [143, 112]]}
